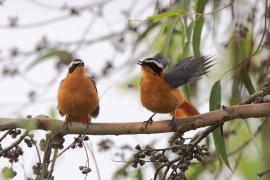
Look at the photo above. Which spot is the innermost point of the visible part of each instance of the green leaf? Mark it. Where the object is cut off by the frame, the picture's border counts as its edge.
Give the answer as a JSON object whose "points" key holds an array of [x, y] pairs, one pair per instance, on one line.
{"points": [[214, 104], [159, 39], [186, 89], [159, 17], [199, 21], [64, 56], [215, 97], [188, 38], [169, 37], [247, 81], [8, 173], [139, 175]]}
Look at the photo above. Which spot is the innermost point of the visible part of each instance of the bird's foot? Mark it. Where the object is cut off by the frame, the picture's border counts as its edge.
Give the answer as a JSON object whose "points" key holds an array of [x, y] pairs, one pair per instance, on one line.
{"points": [[148, 122], [173, 124], [66, 125]]}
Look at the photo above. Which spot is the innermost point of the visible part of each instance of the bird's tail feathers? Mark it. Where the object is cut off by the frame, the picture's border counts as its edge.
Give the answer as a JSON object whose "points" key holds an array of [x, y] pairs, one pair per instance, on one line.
{"points": [[185, 110]]}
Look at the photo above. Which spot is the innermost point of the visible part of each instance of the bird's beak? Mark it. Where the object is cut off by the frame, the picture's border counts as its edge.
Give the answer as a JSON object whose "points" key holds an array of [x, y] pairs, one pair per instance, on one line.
{"points": [[81, 64], [140, 63]]}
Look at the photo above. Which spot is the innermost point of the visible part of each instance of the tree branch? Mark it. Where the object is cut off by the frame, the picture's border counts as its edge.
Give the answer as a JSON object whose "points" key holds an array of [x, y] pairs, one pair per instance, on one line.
{"points": [[183, 125]]}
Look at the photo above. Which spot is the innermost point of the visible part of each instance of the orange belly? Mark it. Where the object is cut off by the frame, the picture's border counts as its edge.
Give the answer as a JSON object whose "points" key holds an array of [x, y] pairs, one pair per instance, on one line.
{"points": [[158, 97], [77, 96]]}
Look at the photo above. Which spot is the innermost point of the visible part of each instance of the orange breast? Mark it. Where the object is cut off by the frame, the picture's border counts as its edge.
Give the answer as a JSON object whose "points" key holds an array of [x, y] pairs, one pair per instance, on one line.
{"points": [[77, 96], [157, 96]]}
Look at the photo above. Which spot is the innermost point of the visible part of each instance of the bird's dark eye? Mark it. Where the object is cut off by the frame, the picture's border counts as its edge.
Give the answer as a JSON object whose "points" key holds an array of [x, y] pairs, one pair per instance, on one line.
{"points": [[72, 68], [74, 64], [156, 69]]}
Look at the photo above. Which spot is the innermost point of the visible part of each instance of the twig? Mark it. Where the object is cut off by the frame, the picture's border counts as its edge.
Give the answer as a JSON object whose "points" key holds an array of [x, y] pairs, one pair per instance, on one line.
{"points": [[18, 141], [53, 162], [94, 158], [252, 97], [4, 136], [194, 142], [87, 159], [36, 147]]}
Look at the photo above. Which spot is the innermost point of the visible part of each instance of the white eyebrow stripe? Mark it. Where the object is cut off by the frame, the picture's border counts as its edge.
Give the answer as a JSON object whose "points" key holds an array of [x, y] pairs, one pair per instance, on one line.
{"points": [[74, 62], [155, 62]]}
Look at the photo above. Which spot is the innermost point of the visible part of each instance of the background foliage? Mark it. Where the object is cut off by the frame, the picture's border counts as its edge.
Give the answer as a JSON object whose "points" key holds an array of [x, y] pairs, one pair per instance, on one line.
{"points": [[235, 32]]}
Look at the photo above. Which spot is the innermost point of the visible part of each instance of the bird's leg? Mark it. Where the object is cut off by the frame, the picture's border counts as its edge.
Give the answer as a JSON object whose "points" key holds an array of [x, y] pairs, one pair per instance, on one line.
{"points": [[88, 123], [173, 123], [66, 123], [149, 121]]}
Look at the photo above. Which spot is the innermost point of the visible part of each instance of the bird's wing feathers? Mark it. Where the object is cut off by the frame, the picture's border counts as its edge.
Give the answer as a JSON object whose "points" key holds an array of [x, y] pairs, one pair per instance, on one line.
{"points": [[61, 113], [96, 112], [188, 70], [94, 82]]}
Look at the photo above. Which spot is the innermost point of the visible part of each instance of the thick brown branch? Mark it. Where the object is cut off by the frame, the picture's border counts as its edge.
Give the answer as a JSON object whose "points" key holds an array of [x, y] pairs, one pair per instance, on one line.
{"points": [[183, 125]]}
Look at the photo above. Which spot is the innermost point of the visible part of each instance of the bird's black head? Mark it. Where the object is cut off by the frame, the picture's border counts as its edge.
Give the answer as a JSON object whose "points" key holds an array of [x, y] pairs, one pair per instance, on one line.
{"points": [[74, 64], [153, 63]]}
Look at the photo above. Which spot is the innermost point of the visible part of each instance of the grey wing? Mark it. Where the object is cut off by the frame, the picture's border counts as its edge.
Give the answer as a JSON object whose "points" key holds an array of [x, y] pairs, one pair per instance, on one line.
{"points": [[188, 70], [61, 113], [95, 113]]}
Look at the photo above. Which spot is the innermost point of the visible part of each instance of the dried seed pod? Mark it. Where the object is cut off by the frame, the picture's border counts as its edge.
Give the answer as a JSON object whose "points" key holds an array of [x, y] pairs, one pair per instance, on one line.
{"points": [[142, 155], [86, 170], [138, 147], [136, 161], [86, 138], [142, 162], [134, 165]]}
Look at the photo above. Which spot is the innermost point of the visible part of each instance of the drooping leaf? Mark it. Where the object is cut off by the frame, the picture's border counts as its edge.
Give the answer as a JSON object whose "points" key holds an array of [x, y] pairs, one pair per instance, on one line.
{"points": [[186, 89], [169, 36], [214, 104], [215, 97], [188, 38], [159, 17], [250, 88], [199, 21], [159, 38], [64, 56], [247, 81]]}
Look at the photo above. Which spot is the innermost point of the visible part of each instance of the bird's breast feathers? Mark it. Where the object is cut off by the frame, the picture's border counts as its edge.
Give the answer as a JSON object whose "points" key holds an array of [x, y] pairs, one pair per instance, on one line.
{"points": [[77, 95], [158, 97]]}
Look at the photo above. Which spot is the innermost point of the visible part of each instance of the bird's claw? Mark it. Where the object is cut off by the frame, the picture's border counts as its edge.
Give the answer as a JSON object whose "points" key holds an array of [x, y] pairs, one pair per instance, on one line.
{"points": [[148, 122], [173, 123]]}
